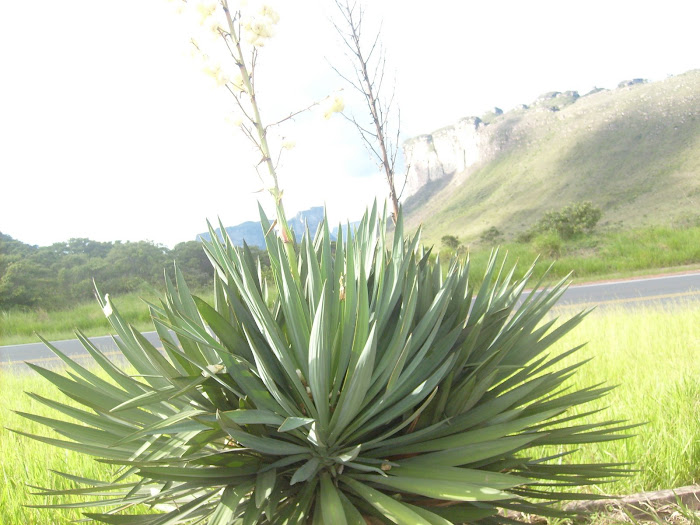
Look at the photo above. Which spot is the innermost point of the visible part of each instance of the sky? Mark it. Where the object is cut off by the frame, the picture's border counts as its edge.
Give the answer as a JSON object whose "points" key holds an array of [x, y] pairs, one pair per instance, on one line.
{"points": [[109, 129]]}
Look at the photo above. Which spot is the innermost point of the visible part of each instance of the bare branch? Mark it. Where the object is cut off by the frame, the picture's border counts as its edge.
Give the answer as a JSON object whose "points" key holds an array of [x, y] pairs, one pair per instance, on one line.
{"points": [[359, 127], [248, 132], [292, 115], [374, 45], [347, 41], [405, 180], [237, 98], [381, 70], [358, 88], [377, 142], [371, 149], [279, 158]]}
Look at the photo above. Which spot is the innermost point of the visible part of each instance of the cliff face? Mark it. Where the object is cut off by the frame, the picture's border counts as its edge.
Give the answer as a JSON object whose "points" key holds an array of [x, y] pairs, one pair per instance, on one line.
{"points": [[472, 141], [443, 153]]}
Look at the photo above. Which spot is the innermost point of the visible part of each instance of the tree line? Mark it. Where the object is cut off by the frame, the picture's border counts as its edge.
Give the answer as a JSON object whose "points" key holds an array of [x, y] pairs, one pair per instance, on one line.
{"points": [[61, 275]]}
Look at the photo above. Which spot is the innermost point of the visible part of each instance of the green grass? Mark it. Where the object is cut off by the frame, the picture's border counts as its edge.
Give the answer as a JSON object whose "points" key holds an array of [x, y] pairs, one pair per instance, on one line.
{"points": [[27, 462], [18, 327], [650, 352], [601, 256]]}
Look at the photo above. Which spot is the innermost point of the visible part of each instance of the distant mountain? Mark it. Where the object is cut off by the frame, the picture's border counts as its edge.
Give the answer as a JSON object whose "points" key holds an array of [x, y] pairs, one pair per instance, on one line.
{"points": [[249, 231], [634, 151], [252, 233]]}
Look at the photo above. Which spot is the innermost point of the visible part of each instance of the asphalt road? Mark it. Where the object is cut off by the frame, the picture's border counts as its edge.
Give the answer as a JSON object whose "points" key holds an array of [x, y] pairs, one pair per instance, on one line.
{"points": [[14, 356], [666, 290]]}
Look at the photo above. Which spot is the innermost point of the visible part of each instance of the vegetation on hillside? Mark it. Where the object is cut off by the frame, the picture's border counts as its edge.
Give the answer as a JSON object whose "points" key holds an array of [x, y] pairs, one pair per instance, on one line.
{"points": [[61, 275], [634, 152], [571, 221], [603, 254], [598, 255]]}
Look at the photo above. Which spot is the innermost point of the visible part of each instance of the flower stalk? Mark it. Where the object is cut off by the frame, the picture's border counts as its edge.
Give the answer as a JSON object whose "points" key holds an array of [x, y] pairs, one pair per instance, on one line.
{"points": [[261, 142], [369, 63]]}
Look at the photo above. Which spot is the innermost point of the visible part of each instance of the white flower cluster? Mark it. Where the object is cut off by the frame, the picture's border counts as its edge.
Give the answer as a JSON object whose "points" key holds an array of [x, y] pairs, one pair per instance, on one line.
{"points": [[234, 119], [333, 104], [209, 16], [260, 26], [256, 28], [205, 9], [215, 71]]}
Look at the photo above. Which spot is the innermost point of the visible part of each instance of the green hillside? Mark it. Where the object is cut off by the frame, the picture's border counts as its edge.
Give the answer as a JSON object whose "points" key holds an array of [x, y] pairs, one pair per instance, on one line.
{"points": [[633, 151]]}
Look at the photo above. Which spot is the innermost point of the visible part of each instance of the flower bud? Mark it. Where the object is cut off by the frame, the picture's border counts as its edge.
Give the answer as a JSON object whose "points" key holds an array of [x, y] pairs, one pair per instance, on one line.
{"points": [[216, 26], [238, 81], [215, 71], [212, 370], [205, 8], [333, 104], [257, 30], [108, 306], [234, 120], [268, 12]]}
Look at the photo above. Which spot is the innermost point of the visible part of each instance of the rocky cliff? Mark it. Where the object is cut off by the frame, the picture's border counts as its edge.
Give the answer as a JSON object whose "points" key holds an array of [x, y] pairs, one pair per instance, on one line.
{"points": [[443, 153], [435, 158], [634, 151]]}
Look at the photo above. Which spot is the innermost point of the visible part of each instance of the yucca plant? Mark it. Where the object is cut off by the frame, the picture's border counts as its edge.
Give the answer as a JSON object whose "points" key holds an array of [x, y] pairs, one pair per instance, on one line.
{"points": [[360, 384]]}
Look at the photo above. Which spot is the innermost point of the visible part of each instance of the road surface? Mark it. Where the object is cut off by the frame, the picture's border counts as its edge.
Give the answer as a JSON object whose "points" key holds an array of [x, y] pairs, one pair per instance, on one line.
{"points": [[666, 290]]}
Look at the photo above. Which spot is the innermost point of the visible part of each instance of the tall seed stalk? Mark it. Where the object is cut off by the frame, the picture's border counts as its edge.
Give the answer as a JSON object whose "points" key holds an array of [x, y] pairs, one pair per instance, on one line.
{"points": [[261, 130], [369, 68]]}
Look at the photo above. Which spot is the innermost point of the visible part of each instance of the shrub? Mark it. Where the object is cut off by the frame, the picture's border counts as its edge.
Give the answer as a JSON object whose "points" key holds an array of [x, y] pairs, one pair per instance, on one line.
{"points": [[450, 241], [370, 385], [491, 235], [524, 237], [572, 220]]}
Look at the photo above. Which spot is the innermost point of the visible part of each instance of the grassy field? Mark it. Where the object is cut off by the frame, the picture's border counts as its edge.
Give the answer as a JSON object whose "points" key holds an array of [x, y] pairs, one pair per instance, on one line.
{"points": [[26, 462], [650, 352], [603, 255], [18, 327]]}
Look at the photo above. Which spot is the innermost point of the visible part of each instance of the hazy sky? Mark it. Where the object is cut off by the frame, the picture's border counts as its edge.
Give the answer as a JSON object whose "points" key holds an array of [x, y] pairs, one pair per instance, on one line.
{"points": [[109, 130]]}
